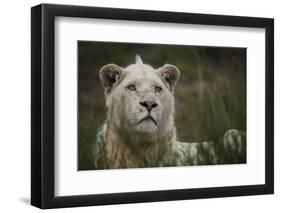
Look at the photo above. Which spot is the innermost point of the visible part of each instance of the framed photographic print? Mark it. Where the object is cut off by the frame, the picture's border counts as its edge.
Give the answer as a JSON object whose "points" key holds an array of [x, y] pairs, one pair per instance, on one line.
{"points": [[139, 106]]}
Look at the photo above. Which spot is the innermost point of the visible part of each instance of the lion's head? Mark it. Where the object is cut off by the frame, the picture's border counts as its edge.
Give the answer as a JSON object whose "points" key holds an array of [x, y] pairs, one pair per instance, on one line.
{"points": [[140, 98]]}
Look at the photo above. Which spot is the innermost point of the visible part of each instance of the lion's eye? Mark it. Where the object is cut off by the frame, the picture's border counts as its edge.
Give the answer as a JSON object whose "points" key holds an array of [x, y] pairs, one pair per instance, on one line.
{"points": [[131, 87], [158, 89]]}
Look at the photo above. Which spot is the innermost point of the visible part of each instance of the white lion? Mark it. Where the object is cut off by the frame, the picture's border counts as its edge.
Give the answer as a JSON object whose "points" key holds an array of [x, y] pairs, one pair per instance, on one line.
{"points": [[139, 127]]}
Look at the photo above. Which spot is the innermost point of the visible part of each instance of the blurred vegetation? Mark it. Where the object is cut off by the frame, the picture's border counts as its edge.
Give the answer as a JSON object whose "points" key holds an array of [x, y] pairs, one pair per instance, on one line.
{"points": [[210, 96]]}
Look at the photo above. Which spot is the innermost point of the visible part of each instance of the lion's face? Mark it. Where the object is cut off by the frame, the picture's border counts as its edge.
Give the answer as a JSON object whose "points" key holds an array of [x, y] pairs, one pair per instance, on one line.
{"points": [[139, 97], [143, 96]]}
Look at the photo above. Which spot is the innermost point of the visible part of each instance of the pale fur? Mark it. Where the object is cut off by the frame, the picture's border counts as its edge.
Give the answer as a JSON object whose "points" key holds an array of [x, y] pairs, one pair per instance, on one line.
{"points": [[124, 112]]}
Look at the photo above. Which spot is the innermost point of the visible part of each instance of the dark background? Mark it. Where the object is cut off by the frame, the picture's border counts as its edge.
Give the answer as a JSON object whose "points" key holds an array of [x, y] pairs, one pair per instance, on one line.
{"points": [[210, 97]]}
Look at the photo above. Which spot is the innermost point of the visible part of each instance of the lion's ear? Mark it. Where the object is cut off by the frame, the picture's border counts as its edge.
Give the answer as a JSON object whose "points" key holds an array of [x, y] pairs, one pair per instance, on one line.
{"points": [[109, 75], [170, 75]]}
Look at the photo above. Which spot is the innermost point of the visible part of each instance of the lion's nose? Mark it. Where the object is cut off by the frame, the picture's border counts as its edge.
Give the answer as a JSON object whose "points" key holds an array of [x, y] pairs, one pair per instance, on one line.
{"points": [[149, 105]]}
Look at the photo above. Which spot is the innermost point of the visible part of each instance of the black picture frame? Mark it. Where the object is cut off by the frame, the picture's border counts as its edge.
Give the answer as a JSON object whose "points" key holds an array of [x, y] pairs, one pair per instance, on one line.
{"points": [[43, 102]]}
